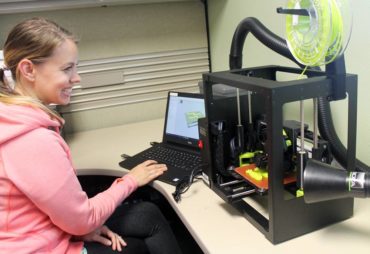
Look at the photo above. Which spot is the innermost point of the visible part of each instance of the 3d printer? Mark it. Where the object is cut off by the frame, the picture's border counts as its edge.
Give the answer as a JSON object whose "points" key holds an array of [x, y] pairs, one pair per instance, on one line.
{"points": [[245, 134]]}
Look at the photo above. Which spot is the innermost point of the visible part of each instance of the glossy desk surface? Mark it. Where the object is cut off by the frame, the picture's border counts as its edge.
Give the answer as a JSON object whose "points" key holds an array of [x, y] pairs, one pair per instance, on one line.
{"points": [[216, 226]]}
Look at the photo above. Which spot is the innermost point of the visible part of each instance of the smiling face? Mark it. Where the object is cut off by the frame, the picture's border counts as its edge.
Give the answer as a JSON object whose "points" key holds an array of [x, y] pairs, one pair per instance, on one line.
{"points": [[54, 78], [42, 58]]}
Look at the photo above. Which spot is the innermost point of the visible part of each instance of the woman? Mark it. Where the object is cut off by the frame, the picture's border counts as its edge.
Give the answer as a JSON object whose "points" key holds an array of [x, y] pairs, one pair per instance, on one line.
{"points": [[42, 206]]}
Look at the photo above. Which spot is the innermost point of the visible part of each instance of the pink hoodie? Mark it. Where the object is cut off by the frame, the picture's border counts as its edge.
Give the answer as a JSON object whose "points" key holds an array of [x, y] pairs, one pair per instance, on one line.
{"points": [[41, 201]]}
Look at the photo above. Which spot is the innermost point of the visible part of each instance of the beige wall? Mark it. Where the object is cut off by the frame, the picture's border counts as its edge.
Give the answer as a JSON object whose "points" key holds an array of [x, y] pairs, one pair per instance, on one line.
{"points": [[224, 16], [126, 29]]}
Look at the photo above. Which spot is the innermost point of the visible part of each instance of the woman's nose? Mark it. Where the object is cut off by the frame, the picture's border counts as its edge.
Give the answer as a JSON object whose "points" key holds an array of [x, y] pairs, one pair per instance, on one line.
{"points": [[76, 78]]}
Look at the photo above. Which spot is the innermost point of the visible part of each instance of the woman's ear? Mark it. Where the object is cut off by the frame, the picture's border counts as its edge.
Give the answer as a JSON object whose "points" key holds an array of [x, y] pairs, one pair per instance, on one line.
{"points": [[27, 70]]}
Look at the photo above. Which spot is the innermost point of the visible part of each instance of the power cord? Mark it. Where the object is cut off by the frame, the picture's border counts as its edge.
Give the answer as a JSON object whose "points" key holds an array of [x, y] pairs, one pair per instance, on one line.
{"points": [[184, 185]]}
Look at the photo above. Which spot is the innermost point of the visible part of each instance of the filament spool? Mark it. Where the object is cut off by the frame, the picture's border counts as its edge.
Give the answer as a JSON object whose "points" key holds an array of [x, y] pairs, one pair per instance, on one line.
{"points": [[321, 34]]}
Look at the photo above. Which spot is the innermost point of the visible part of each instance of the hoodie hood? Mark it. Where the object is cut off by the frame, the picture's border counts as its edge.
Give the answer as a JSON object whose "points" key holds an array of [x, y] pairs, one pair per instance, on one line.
{"points": [[16, 120]]}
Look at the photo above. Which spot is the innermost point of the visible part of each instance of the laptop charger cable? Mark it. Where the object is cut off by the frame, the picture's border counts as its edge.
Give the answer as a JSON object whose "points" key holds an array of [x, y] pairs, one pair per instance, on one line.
{"points": [[184, 184]]}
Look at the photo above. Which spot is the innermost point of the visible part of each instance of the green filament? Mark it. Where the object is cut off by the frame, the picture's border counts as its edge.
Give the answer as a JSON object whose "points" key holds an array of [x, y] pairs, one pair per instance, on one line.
{"points": [[318, 38]]}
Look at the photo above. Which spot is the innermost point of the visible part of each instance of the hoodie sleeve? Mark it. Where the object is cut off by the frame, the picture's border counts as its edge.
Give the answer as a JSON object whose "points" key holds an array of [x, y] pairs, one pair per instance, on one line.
{"points": [[38, 164]]}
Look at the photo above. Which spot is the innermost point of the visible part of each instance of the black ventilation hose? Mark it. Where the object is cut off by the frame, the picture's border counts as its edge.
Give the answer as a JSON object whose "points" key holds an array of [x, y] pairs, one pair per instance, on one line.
{"points": [[279, 45], [327, 131], [263, 34]]}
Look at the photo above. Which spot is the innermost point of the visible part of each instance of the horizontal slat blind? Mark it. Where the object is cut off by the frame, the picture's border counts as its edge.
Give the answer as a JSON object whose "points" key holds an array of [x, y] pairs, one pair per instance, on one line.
{"points": [[138, 78]]}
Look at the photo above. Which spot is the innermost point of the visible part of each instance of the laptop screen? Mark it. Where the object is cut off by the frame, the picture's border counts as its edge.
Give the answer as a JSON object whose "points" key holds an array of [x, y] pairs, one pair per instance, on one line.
{"points": [[183, 111]]}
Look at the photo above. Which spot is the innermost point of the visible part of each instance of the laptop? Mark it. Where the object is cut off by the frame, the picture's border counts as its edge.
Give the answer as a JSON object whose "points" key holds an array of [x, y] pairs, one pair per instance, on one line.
{"points": [[179, 147]]}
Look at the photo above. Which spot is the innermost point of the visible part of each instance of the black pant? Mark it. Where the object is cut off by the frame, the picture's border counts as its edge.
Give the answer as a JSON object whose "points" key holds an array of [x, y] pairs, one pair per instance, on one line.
{"points": [[143, 227]]}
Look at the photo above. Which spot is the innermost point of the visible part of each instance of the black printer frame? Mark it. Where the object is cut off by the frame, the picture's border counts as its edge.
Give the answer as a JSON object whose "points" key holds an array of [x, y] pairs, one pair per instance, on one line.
{"points": [[287, 218]]}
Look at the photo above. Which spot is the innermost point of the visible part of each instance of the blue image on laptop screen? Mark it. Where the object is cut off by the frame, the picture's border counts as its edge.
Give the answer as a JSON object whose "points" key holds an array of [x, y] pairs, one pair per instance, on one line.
{"points": [[182, 115]]}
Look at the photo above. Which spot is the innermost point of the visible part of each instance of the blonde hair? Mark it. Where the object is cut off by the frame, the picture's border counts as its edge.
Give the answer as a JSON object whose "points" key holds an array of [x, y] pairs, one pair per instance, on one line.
{"points": [[34, 39]]}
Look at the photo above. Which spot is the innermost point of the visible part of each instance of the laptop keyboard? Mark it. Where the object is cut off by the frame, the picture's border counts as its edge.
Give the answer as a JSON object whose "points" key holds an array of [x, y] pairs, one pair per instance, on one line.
{"points": [[172, 157]]}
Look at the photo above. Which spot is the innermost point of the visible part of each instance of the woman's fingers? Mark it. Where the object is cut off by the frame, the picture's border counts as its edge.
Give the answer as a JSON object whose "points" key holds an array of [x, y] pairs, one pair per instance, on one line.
{"points": [[147, 171], [116, 240]]}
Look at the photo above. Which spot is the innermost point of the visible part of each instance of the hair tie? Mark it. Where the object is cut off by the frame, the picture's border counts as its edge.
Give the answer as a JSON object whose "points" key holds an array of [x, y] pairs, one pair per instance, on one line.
{"points": [[7, 77], [7, 74]]}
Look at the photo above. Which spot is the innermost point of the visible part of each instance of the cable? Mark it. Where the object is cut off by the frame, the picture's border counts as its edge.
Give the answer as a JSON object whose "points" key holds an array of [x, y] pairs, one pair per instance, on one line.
{"points": [[184, 185]]}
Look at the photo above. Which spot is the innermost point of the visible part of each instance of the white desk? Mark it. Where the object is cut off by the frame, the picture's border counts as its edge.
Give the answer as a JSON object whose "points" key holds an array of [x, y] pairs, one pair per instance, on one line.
{"points": [[216, 226]]}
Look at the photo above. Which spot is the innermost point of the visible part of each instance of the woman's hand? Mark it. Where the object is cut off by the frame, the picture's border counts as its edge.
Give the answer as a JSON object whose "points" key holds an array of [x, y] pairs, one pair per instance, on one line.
{"points": [[147, 171], [105, 236]]}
